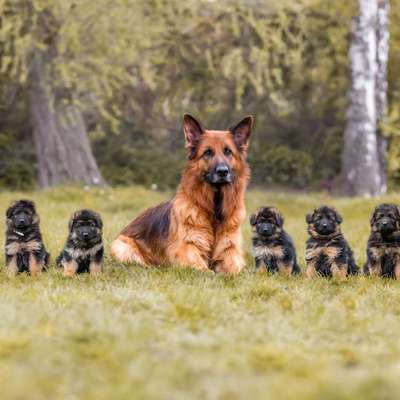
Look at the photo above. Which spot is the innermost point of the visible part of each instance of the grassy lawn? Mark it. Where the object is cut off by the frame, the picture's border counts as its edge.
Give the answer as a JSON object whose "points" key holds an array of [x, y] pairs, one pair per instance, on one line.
{"points": [[179, 334]]}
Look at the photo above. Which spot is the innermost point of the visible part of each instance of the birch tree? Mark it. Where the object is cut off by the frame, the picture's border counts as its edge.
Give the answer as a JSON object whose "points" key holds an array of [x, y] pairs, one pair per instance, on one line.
{"points": [[363, 163]]}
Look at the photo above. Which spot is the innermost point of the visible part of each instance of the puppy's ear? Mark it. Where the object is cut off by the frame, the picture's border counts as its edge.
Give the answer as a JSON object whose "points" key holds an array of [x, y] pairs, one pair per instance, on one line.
{"points": [[192, 130], [99, 221], [279, 219], [338, 217], [253, 219], [72, 221], [10, 209], [309, 218], [372, 220], [241, 133]]}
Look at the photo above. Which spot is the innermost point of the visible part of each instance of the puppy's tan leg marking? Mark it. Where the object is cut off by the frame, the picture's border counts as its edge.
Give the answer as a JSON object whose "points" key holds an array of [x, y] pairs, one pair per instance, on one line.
{"points": [[285, 268], [95, 268], [261, 266], [375, 269], [397, 266], [339, 272], [12, 267], [311, 271], [375, 255], [125, 250], [70, 268], [35, 267]]}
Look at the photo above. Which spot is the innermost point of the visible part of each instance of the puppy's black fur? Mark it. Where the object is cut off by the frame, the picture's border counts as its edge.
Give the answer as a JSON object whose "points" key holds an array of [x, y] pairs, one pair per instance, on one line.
{"points": [[327, 251], [83, 251], [383, 247], [273, 248], [25, 251]]}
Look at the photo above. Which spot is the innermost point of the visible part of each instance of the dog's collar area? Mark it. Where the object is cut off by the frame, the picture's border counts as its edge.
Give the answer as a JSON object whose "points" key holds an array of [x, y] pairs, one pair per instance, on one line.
{"points": [[19, 233]]}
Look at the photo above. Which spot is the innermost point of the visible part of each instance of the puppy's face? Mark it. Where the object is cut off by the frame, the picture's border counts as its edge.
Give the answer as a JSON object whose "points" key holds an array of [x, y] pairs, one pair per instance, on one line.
{"points": [[22, 214], [385, 219], [324, 221], [86, 226], [267, 222]]}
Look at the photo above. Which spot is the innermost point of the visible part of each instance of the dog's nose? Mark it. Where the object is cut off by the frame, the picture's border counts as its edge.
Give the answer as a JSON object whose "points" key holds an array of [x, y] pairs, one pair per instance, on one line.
{"points": [[21, 221], [85, 235], [222, 171], [384, 222], [324, 224]]}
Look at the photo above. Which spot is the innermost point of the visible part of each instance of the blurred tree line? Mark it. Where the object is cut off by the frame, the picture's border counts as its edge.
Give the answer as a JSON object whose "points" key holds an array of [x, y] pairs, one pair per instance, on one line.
{"points": [[123, 72]]}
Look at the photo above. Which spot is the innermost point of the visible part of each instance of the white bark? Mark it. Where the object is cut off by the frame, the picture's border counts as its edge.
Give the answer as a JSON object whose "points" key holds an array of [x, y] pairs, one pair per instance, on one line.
{"points": [[381, 84], [363, 174]]}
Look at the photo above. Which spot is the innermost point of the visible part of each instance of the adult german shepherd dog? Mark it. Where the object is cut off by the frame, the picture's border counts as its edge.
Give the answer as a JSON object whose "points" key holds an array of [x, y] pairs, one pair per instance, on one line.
{"points": [[200, 226]]}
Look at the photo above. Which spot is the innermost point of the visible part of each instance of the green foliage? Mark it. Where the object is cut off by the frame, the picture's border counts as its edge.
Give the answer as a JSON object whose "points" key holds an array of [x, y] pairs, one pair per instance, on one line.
{"points": [[150, 164], [143, 64], [281, 165]]}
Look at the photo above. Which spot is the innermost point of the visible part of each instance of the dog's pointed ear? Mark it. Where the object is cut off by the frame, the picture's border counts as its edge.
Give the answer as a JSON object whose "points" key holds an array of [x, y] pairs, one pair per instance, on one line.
{"points": [[372, 220], [71, 221], [280, 219], [99, 221], [192, 130], [338, 217], [309, 218], [253, 219], [241, 133], [10, 209]]}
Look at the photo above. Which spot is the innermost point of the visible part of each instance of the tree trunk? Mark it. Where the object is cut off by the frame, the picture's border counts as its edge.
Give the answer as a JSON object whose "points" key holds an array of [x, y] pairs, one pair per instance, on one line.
{"points": [[62, 145], [363, 165], [382, 55]]}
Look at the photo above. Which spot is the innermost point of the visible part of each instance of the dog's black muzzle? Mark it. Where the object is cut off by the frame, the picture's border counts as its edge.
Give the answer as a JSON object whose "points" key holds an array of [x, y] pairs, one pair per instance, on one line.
{"points": [[325, 226], [86, 233], [22, 220], [265, 229], [386, 225], [221, 174]]}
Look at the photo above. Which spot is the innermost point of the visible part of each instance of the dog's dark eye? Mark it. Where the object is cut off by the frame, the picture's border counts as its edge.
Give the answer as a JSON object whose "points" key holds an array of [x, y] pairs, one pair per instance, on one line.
{"points": [[208, 153], [227, 151]]}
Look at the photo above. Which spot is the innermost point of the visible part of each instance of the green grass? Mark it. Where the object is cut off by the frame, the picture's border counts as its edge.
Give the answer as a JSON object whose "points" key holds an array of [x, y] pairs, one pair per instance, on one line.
{"points": [[179, 334]]}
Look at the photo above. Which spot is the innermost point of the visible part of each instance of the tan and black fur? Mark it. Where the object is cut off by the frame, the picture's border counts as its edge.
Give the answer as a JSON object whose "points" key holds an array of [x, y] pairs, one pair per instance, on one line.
{"points": [[273, 248], [327, 251], [200, 226], [83, 251], [383, 247], [25, 251]]}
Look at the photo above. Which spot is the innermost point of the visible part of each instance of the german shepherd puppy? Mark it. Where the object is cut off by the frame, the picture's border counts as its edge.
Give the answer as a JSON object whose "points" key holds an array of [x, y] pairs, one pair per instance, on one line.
{"points": [[25, 251], [327, 251], [383, 247], [83, 251], [273, 248], [200, 226]]}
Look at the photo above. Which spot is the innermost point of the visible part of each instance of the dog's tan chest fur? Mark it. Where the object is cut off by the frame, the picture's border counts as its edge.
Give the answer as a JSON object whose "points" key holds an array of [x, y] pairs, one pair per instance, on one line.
{"points": [[17, 247], [268, 251], [330, 252]]}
